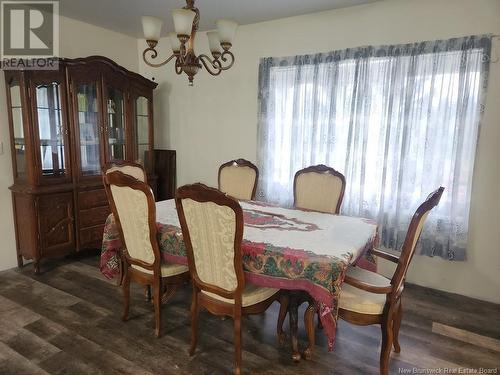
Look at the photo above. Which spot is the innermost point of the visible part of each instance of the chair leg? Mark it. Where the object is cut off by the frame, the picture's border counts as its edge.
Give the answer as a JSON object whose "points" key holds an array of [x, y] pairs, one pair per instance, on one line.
{"points": [[126, 294], [157, 305], [122, 266], [147, 293], [237, 342], [284, 301], [385, 350], [293, 310], [397, 324], [309, 324], [194, 322]]}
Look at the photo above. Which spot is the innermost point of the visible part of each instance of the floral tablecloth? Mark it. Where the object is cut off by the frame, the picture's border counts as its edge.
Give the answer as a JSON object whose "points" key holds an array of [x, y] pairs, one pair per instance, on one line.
{"points": [[282, 248]]}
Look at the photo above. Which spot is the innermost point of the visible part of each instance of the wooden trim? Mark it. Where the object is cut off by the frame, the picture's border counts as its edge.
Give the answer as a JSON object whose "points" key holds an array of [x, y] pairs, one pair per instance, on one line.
{"points": [[241, 163], [21, 78], [366, 286], [111, 64], [358, 318], [41, 78], [136, 91], [320, 168], [14, 78], [112, 79], [104, 61], [385, 255], [124, 163], [41, 189], [89, 75]]}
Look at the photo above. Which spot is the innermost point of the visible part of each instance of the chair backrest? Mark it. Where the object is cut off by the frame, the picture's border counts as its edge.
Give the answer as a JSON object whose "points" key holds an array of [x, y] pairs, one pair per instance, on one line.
{"points": [[133, 207], [127, 167], [238, 178], [319, 188], [412, 236], [212, 229]]}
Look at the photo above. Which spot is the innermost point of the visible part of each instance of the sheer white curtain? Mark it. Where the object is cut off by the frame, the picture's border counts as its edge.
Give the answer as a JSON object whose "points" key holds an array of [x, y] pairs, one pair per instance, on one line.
{"points": [[397, 121]]}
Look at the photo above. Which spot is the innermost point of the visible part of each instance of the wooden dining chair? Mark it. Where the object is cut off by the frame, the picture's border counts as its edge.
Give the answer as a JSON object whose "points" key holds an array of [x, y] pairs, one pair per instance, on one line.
{"points": [[212, 229], [369, 298], [127, 167], [319, 188], [238, 178], [137, 171], [134, 210]]}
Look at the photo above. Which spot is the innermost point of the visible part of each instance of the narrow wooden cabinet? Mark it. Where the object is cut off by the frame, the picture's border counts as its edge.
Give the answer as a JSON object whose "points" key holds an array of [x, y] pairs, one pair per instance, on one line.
{"points": [[165, 170], [65, 125]]}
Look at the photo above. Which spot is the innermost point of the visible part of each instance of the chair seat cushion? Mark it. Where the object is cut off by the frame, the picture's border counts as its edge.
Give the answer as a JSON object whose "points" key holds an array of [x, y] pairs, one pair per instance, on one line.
{"points": [[167, 269], [252, 295], [361, 301]]}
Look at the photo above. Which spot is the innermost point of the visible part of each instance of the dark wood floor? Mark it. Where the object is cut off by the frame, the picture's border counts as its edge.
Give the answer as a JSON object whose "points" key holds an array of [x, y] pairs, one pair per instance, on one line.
{"points": [[66, 321]]}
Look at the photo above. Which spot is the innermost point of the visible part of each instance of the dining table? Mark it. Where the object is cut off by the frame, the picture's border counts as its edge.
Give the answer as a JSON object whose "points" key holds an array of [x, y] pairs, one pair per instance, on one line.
{"points": [[301, 251]]}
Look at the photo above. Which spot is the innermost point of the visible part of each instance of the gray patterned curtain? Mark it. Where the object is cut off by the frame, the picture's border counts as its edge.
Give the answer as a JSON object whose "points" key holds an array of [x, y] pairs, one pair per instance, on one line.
{"points": [[397, 121]]}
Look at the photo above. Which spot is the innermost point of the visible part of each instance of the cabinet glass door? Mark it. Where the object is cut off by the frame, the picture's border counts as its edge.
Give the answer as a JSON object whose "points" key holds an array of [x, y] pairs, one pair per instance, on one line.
{"points": [[115, 124], [50, 129], [88, 120], [18, 129], [142, 130]]}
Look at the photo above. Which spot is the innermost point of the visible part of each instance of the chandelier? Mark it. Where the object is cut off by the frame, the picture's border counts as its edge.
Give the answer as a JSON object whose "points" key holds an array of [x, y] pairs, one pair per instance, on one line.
{"points": [[186, 22]]}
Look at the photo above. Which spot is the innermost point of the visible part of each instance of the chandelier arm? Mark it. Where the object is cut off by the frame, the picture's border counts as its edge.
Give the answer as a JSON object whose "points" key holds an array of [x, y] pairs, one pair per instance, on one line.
{"points": [[178, 66], [183, 53], [210, 65], [154, 54], [227, 56]]}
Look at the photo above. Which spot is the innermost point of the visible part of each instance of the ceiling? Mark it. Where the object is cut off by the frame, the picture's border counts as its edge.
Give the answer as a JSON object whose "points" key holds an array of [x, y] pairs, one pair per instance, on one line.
{"points": [[124, 15]]}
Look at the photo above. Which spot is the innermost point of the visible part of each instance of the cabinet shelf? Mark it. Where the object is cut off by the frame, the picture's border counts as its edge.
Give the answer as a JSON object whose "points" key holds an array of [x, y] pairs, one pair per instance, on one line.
{"points": [[49, 109]]}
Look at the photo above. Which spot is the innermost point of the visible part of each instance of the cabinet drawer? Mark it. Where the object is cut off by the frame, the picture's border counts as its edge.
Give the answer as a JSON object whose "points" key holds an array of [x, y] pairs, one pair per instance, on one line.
{"points": [[91, 237], [92, 198], [93, 216]]}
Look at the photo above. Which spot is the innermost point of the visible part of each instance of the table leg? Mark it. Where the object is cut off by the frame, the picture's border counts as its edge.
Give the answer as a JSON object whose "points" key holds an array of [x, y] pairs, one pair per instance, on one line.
{"points": [[284, 302], [121, 267], [293, 310], [309, 325]]}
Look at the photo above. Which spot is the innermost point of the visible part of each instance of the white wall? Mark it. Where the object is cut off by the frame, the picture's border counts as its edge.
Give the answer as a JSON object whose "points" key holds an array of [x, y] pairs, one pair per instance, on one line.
{"points": [[77, 39], [215, 120]]}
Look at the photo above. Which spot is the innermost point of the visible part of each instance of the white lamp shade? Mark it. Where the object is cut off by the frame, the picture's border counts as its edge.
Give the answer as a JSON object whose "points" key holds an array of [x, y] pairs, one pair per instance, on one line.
{"points": [[174, 42], [151, 27], [226, 30], [213, 41], [183, 21]]}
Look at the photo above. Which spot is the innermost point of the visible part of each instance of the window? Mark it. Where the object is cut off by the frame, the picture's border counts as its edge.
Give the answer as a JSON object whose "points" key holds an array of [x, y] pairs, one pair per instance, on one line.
{"points": [[397, 121]]}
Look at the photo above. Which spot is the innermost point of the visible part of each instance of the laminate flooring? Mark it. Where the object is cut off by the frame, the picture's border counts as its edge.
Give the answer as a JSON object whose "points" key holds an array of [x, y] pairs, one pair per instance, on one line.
{"points": [[67, 321]]}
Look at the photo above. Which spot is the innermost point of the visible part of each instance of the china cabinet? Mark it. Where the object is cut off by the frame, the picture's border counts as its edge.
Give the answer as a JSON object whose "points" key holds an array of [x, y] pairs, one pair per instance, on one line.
{"points": [[65, 125]]}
